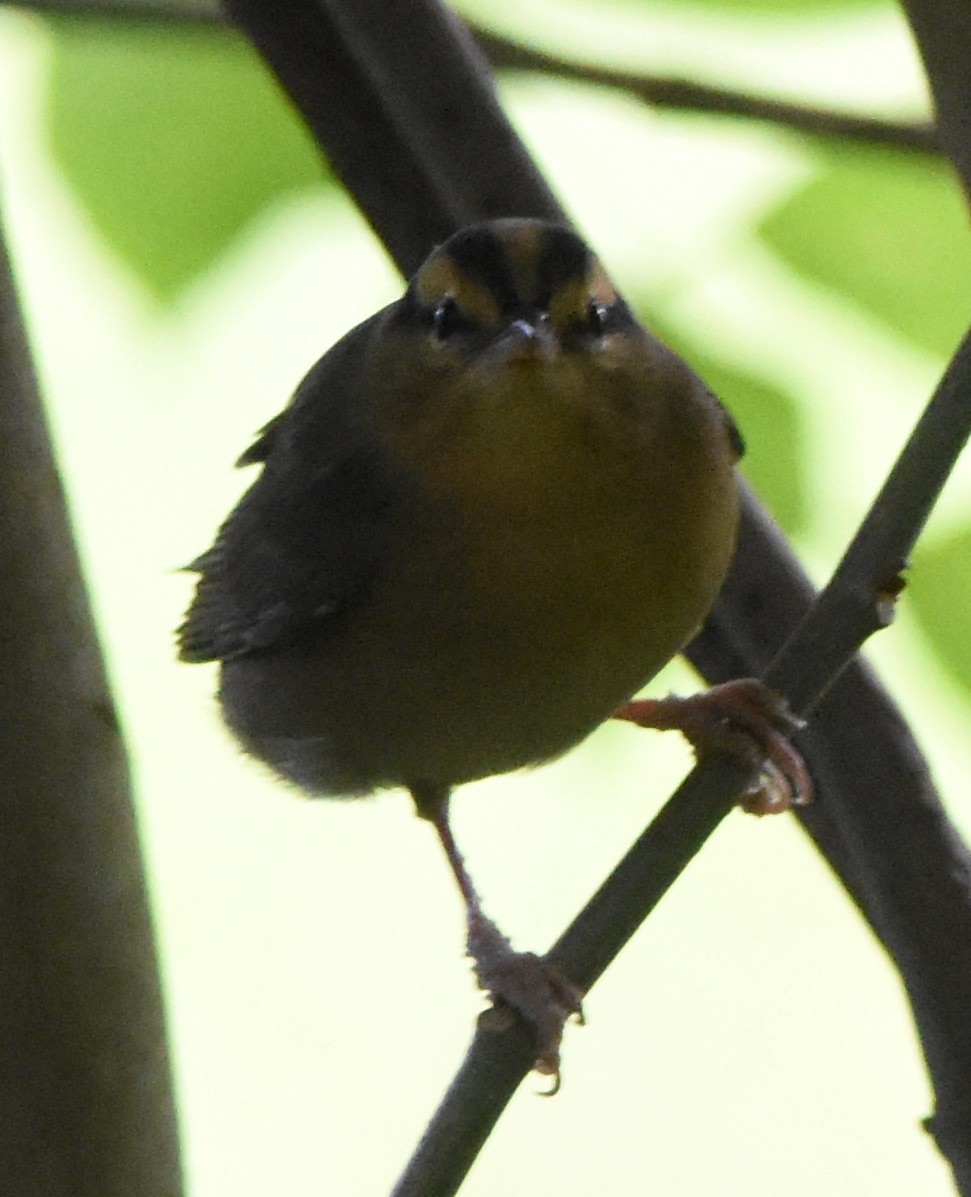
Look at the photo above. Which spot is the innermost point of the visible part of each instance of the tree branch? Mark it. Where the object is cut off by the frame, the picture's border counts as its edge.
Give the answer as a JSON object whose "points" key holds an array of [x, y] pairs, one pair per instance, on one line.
{"points": [[195, 11], [942, 31], [690, 96], [847, 611], [766, 596], [84, 1079], [502, 52], [389, 122]]}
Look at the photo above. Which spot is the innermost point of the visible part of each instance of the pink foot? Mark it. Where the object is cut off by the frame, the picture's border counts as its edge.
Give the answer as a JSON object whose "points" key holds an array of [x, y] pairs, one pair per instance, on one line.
{"points": [[524, 981], [745, 720]]}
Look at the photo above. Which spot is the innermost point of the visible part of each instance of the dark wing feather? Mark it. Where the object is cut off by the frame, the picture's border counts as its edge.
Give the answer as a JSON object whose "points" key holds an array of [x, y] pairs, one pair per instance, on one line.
{"points": [[311, 531], [266, 438]]}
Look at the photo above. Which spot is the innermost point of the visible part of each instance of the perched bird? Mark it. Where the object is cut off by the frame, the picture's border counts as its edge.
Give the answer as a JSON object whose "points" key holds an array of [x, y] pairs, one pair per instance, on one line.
{"points": [[488, 516]]}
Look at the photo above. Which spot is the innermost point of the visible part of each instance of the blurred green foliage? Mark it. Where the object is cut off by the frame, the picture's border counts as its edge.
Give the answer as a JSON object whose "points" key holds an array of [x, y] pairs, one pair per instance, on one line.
{"points": [[175, 141], [770, 423], [769, 8], [173, 137], [768, 419], [939, 595], [483, 9], [785, 8], [889, 231]]}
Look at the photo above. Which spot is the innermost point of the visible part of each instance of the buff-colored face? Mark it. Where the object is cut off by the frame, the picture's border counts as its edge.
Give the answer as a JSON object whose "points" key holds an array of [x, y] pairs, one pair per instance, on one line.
{"points": [[492, 512], [522, 274]]}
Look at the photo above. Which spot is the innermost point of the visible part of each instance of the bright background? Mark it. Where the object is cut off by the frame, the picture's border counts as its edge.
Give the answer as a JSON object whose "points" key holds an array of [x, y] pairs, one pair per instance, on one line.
{"points": [[182, 265]]}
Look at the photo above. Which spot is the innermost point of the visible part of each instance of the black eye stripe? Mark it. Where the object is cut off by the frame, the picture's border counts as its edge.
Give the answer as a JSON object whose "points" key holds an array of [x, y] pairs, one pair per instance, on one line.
{"points": [[563, 258], [481, 256], [449, 319], [509, 270]]}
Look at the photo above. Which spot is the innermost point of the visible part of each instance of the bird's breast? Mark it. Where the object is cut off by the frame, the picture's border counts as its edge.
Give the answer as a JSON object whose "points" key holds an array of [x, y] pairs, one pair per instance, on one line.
{"points": [[562, 535], [567, 543]]}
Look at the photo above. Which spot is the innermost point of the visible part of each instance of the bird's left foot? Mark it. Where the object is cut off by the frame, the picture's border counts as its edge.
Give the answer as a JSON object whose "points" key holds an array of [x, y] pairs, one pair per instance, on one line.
{"points": [[743, 719], [528, 984]]}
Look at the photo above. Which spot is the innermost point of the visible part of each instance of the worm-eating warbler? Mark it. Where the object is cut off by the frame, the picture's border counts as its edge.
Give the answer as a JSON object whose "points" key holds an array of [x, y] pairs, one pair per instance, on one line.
{"points": [[488, 516]]}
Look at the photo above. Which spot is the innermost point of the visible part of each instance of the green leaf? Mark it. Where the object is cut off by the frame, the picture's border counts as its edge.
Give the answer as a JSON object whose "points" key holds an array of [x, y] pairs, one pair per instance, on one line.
{"points": [[745, 9], [768, 419], [889, 231], [772, 429], [173, 138], [496, 12], [937, 592], [798, 8]]}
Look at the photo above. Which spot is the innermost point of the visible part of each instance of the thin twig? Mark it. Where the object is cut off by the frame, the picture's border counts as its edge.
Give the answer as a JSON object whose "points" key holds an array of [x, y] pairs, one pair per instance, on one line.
{"points": [[730, 646], [845, 614], [503, 52], [194, 11], [690, 96], [766, 594]]}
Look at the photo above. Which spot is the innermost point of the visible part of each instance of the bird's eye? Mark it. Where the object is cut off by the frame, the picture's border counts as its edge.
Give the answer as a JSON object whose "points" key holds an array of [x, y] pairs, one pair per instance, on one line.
{"points": [[448, 319], [597, 315]]}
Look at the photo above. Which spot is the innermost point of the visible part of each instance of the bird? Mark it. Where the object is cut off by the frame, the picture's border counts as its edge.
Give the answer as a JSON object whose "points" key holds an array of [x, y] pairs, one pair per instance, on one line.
{"points": [[488, 516]]}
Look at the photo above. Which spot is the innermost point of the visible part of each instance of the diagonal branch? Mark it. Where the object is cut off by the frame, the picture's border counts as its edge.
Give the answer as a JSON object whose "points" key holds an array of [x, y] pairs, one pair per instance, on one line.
{"points": [[402, 148], [847, 611], [691, 96], [942, 31], [84, 1079], [858, 741], [686, 95]]}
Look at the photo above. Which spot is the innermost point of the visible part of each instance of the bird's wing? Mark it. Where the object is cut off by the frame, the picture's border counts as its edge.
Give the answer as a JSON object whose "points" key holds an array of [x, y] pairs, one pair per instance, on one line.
{"points": [[310, 533]]}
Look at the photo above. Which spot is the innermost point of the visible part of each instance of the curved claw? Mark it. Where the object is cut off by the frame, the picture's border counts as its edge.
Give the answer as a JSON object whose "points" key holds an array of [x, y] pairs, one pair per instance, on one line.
{"points": [[529, 985], [743, 719]]}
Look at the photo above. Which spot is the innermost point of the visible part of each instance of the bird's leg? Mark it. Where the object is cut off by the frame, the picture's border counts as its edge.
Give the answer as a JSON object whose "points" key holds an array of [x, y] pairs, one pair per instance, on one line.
{"points": [[522, 980], [743, 719]]}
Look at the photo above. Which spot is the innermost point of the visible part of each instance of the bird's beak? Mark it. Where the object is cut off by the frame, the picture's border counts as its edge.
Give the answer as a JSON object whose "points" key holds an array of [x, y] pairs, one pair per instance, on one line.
{"points": [[525, 340]]}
